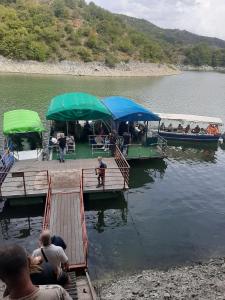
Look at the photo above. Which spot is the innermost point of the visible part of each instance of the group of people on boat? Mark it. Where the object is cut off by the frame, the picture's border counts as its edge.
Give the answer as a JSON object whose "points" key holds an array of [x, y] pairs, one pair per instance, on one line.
{"points": [[41, 275], [212, 129]]}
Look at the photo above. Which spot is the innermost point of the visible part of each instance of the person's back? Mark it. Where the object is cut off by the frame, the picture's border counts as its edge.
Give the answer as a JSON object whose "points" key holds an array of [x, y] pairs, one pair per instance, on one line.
{"points": [[14, 272], [55, 255], [42, 274]]}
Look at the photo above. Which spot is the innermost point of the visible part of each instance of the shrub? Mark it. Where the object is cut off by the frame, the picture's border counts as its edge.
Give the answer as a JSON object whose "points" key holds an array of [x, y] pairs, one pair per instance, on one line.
{"points": [[111, 61]]}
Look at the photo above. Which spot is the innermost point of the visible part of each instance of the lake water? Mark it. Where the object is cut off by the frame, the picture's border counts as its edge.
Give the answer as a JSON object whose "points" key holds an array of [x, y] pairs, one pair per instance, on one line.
{"points": [[174, 212]]}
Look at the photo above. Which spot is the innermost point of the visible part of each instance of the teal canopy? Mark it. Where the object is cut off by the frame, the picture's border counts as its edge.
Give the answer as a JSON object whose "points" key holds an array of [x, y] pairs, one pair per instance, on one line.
{"points": [[21, 121], [77, 106]]}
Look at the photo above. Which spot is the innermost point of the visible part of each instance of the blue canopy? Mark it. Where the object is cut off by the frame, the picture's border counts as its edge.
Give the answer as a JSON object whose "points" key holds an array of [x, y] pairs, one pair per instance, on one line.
{"points": [[124, 109]]}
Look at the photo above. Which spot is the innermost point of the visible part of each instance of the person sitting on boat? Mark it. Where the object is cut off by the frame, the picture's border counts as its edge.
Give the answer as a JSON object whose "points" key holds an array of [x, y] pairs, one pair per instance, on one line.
{"points": [[180, 128], [196, 129], [170, 128], [187, 129], [70, 143], [202, 131], [209, 129], [162, 127], [216, 130]]}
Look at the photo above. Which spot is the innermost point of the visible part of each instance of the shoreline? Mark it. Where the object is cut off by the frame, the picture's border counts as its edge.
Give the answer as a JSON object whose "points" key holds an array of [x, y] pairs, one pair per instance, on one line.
{"points": [[196, 281], [96, 69]]}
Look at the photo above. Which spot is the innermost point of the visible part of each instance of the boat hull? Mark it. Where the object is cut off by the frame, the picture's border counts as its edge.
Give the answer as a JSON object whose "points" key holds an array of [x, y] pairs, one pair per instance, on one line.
{"points": [[189, 137]]}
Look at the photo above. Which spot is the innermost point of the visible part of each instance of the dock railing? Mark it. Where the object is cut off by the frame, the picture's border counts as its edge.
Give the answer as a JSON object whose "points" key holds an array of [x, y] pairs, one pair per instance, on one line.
{"points": [[122, 164], [46, 219], [111, 181], [5, 166], [24, 183], [162, 143]]}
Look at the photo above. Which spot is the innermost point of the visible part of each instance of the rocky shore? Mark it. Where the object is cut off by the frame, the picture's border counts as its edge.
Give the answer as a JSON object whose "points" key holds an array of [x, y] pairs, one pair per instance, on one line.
{"points": [[200, 281], [86, 69], [203, 68]]}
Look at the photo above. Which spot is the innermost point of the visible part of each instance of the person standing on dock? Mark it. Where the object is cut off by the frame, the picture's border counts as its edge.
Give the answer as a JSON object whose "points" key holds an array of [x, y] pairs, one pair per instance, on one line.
{"points": [[100, 171], [14, 272], [55, 255], [62, 147]]}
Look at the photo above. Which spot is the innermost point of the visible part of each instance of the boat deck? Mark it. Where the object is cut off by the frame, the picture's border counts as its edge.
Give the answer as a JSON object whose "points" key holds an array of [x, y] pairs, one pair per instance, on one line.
{"points": [[134, 151], [30, 177], [144, 152]]}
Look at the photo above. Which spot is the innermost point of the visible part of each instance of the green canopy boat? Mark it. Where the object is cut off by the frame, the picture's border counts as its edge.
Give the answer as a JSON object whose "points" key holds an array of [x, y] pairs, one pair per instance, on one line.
{"points": [[21, 121], [23, 130], [77, 106]]}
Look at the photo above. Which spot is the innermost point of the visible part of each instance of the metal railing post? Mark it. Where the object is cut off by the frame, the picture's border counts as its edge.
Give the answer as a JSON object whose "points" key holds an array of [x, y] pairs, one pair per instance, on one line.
{"points": [[24, 185]]}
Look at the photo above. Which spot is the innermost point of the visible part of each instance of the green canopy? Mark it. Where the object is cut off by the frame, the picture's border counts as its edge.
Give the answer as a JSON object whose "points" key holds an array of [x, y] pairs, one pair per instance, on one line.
{"points": [[77, 106], [21, 121]]}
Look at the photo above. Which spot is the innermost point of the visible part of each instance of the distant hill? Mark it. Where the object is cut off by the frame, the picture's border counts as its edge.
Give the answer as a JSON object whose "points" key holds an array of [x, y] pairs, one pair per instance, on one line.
{"points": [[55, 30], [172, 36]]}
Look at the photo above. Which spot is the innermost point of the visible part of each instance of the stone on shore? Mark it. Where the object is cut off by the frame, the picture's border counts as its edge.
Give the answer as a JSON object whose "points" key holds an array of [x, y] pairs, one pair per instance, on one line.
{"points": [[201, 281], [77, 68]]}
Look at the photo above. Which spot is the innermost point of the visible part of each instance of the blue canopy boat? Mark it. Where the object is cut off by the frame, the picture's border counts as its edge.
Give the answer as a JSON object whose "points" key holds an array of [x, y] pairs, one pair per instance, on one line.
{"points": [[126, 118], [197, 128], [126, 110]]}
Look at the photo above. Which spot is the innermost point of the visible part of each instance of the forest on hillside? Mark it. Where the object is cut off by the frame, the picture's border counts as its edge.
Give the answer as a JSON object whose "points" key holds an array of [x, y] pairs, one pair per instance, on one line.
{"points": [[55, 30]]}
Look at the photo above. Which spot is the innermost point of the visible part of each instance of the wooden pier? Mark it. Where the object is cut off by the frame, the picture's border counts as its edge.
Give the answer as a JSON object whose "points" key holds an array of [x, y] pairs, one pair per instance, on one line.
{"points": [[30, 178], [63, 184]]}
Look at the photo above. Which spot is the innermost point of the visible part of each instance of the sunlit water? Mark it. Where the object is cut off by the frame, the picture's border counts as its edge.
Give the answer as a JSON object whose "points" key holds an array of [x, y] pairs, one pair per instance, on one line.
{"points": [[174, 212]]}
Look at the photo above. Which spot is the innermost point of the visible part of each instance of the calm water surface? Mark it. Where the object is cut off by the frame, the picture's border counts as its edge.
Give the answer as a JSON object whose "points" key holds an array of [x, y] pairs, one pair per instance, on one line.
{"points": [[174, 212]]}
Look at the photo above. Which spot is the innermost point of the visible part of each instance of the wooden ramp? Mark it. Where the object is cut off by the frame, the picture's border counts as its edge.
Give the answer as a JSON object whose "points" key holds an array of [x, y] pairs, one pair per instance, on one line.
{"points": [[65, 221], [64, 216]]}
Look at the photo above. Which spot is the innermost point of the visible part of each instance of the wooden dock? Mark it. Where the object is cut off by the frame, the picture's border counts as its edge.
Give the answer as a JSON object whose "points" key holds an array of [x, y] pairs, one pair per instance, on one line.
{"points": [[30, 178]]}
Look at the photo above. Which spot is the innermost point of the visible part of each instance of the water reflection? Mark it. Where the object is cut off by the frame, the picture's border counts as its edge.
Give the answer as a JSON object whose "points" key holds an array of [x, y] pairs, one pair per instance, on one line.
{"points": [[111, 212], [146, 171], [192, 152], [21, 225]]}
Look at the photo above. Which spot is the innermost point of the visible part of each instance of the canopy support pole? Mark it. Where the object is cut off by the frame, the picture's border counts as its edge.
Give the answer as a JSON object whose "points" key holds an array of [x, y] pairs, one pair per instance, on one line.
{"points": [[146, 134], [67, 129]]}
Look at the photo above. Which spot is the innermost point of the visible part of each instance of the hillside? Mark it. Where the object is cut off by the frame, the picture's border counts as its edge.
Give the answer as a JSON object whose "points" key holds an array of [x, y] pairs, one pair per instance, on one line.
{"points": [[56, 30], [171, 36]]}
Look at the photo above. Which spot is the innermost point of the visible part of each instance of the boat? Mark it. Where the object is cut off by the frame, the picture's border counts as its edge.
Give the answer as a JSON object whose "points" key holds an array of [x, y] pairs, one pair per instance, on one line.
{"points": [[90, 122], [193, 128], [131, 121], [23, 134]]}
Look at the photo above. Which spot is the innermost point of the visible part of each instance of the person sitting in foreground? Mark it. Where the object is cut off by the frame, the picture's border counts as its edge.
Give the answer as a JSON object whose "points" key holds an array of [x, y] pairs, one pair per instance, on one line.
{"points": [[14, 272], [58, 241], [55, 255], [196, 129], [41, 272]]}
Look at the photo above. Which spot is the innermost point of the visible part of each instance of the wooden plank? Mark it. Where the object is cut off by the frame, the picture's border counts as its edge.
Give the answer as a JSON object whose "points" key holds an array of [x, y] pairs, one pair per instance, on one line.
{"points": [[65, 220]]}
